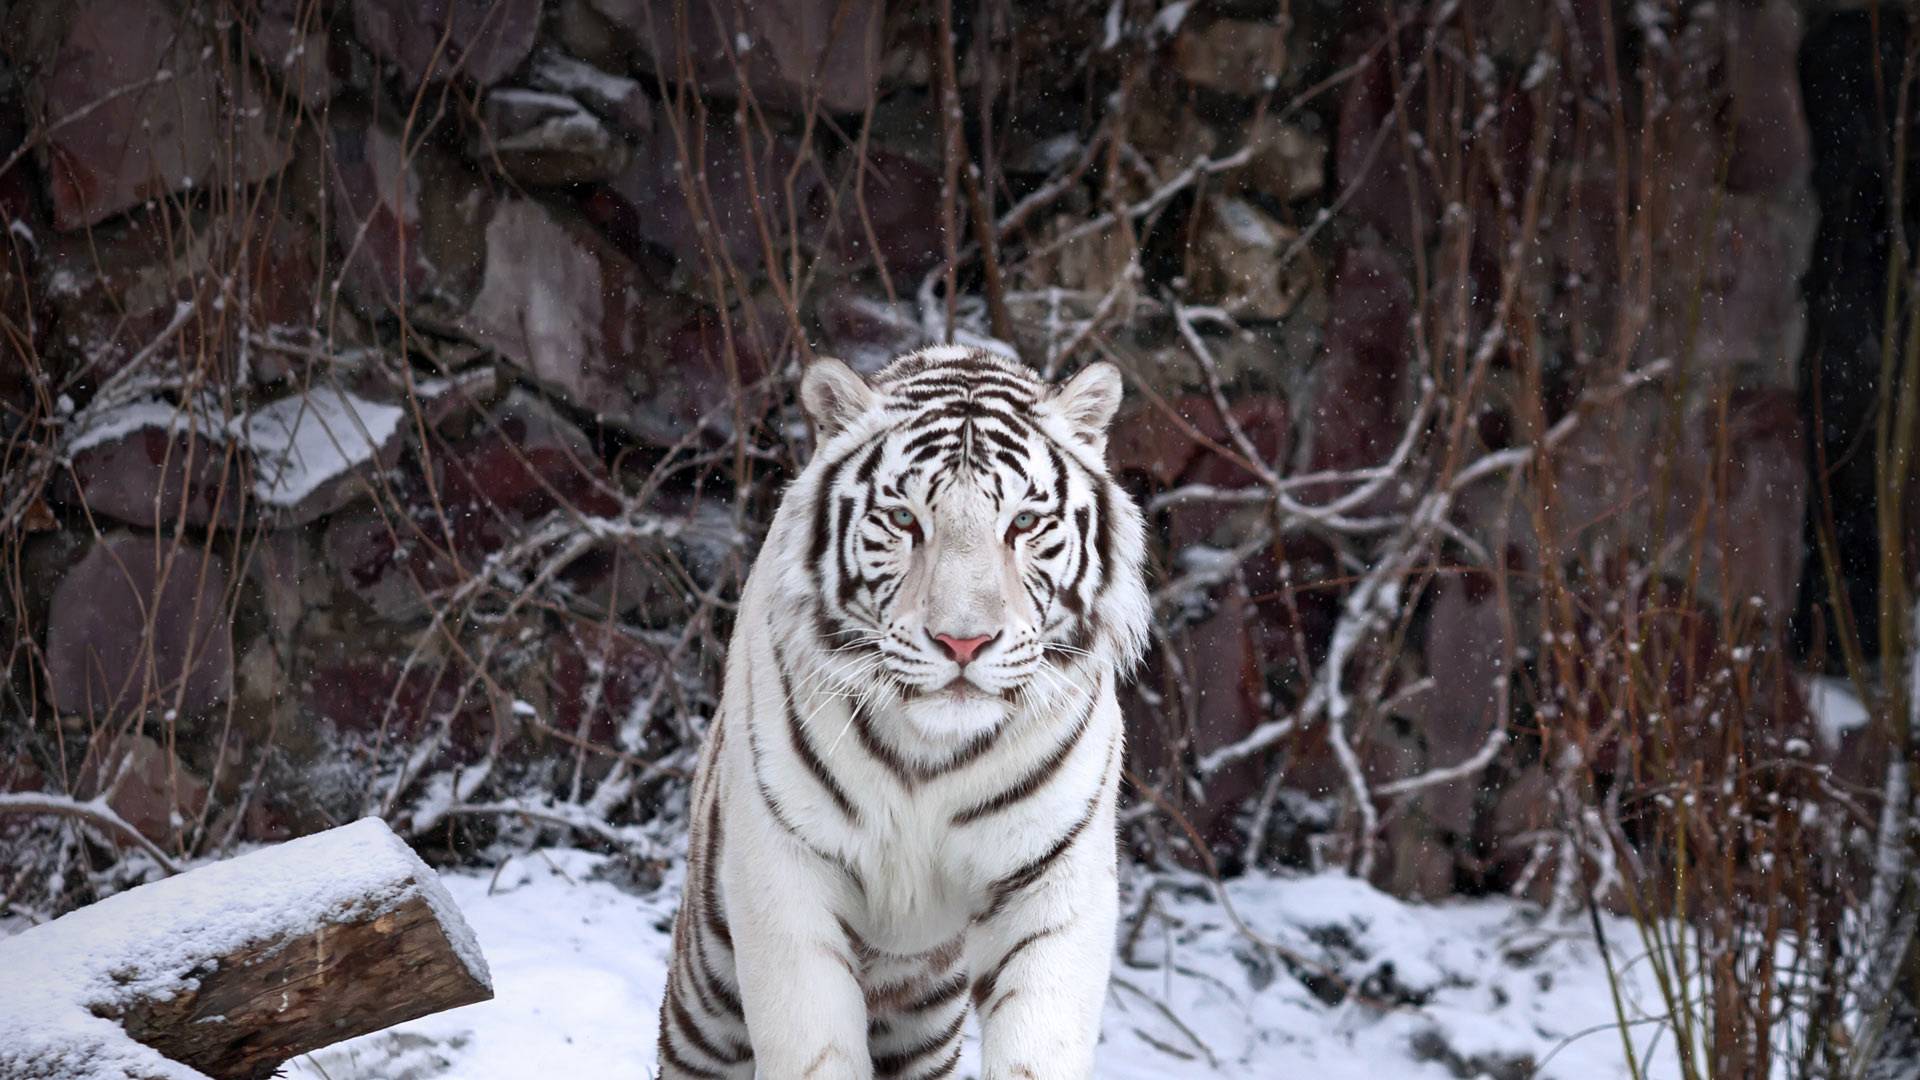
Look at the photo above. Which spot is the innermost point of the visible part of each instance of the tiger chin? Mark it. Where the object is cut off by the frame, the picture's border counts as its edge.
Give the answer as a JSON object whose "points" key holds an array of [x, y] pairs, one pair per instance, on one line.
{"points": [[904, 811]]}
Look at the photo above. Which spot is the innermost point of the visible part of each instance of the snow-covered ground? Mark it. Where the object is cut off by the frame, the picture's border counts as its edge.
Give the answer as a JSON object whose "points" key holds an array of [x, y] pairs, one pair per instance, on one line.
{"points": [[1482, 988]]}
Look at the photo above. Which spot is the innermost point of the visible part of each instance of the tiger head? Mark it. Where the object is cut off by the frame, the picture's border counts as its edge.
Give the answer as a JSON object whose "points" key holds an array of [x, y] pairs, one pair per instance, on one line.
{"points": [[967, 552]]}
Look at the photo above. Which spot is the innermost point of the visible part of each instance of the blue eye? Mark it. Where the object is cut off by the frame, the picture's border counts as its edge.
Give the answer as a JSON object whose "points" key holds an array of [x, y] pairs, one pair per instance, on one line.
{"points": [[902, 518], [1024, 520]]}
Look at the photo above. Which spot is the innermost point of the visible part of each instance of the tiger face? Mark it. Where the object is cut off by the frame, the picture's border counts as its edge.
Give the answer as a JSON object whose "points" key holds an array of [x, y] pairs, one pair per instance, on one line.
{"points": [[968, 552]]}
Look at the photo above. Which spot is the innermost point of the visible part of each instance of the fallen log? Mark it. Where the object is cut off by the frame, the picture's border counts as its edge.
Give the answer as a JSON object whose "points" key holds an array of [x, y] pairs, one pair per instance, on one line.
{"points": [[233, 968]]}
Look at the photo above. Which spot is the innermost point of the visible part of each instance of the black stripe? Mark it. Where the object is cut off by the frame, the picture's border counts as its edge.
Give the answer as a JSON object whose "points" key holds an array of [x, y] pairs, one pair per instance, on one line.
{"points": [[848, 580], [891, 1065], [668, 1055], [983, 986], [1021, 789], [938, 996], [1006, 887], [803, 745], [710, 881], [733, 1054], [1103, 542]]}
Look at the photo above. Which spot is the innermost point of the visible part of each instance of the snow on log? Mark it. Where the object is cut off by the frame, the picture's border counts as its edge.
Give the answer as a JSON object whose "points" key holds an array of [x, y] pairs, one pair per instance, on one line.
{"points": [[232, 968]]}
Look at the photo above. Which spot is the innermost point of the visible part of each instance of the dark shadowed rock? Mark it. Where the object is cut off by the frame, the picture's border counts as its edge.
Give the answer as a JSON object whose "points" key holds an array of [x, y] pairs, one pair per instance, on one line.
{"points": [[376, 219], [1758, 524], [1233, 56], [562, 305], [864, 331], [599, 675], [1368, 347], [406, 221], [1772, 149], [617, 99], [144, 784], [370, 700], [290, 40], [136, 618], [718, 210], [109, 293], [542, 138], [896, 203], [789, 53], [1374, 179], [523, 463], [187, 127], [158, 474], [1465, 653], [481, 40]]}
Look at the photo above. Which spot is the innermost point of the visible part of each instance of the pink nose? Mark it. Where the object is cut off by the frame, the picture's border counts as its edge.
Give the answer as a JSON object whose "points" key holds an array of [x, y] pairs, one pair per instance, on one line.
{"points": [[963, 648]]}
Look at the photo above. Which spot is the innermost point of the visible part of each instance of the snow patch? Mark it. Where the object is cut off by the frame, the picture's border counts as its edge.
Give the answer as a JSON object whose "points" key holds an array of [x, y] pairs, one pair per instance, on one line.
{"points": [[1836, 708], [581, 964], [303, 441]]}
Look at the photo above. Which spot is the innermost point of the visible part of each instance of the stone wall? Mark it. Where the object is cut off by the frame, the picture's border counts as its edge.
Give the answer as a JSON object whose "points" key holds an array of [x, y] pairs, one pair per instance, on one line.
{"points": [[395, 392]]}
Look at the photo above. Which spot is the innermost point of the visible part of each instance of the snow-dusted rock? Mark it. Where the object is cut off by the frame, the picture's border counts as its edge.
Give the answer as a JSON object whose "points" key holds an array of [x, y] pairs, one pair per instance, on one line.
{"points": [[543, 138]]}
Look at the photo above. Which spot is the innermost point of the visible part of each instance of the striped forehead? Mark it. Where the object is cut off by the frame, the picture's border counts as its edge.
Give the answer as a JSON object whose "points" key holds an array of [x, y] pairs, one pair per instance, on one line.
{"points": [[956, 422]]}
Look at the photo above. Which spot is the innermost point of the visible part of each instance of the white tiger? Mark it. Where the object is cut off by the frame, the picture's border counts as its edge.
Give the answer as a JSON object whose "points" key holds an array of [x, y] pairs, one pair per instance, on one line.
{"points": [[906, 800]]}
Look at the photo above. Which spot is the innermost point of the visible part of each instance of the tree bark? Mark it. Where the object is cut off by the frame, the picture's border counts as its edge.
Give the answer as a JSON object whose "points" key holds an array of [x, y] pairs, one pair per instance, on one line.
{"points": [[291, 995], [233, 968]]}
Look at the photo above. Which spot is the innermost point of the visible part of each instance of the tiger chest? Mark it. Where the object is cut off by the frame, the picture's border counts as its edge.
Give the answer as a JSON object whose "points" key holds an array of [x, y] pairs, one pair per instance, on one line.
{"points": [[916, 893]]}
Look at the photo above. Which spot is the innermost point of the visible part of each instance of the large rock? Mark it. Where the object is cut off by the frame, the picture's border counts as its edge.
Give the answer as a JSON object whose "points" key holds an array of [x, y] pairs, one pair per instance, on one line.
{"points": [[143, 783], [789, 53], [717, 210], [141, 621], [1355, 411], [154, 466], [157, 465], [1233, 56], [867, 332], [893, 213], [615, 98], [562, 305], [481, 40], [313, 452], [184, 126], [1758, 526], [405, 220], [541, 138], [1250, 264], [523, 463], [1772, 148]]}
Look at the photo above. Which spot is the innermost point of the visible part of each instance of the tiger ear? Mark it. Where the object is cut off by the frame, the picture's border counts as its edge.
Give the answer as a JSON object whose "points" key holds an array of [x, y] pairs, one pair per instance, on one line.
{"points": [[1088, 401], [833, 395]]}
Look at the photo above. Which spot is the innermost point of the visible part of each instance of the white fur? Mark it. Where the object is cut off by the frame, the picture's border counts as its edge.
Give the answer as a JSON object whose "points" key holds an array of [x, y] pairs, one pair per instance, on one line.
{"points": [[927, 879]]}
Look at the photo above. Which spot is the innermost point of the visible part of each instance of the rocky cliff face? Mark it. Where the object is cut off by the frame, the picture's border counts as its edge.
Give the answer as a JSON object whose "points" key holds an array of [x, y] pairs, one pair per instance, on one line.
{"points": [[395, 391]]}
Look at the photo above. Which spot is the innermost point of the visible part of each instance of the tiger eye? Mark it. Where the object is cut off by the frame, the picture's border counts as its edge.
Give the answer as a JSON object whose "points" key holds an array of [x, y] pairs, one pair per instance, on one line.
{"points": [[902, 518]]}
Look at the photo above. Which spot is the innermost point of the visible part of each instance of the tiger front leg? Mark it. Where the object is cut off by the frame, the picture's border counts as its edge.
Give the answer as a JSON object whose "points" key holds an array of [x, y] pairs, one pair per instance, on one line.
{"points": [[806, 1013], [1041, 966]]}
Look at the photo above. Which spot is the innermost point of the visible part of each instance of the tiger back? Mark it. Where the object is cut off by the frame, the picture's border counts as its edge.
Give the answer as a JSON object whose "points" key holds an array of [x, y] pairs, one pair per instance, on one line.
{"points": [[905, 807]]}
